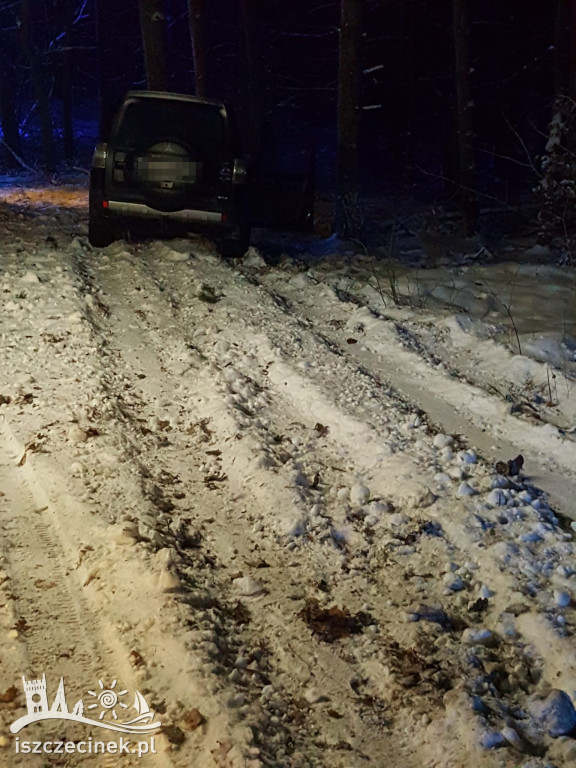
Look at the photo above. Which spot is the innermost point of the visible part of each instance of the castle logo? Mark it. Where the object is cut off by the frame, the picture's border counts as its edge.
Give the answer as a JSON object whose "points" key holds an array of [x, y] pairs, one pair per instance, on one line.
{"points": [[106, 704]]}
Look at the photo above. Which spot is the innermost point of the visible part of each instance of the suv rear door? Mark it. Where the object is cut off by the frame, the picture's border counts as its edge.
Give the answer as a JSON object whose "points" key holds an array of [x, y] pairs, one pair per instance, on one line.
{"points": [[168, 151]]}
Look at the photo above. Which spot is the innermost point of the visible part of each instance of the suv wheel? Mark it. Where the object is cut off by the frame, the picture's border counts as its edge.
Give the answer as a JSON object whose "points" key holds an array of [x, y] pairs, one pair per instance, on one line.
{"points": [[100, 231], [236, 245]]}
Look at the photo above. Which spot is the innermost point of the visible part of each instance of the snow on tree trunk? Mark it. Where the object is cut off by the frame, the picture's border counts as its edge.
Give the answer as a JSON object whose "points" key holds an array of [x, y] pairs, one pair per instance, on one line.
{"points": [[557, 188]]}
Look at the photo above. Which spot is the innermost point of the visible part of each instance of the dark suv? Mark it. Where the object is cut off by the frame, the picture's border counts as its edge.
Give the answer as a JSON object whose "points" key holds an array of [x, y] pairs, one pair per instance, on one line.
{"points": [[171, 164]]}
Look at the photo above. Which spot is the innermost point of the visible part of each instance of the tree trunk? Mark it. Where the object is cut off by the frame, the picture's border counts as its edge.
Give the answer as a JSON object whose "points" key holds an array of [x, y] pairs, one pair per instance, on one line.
{"points": [[10, 128], [349, 218], [197, 36], [464, 117], [403, 112], [8, 116], [254, 77], [565, 49], [557, 214], [561, 130], [39, 84], [107, 67], [67, 124], [154, 34]]}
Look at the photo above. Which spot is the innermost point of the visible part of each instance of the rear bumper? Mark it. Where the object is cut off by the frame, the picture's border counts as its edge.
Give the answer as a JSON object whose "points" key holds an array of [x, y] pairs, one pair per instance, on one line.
{"points": [[142, 211]]}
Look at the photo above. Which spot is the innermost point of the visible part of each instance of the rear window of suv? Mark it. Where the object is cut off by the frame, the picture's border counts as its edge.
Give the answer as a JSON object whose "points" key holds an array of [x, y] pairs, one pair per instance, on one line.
{"points": [[201, 127]]}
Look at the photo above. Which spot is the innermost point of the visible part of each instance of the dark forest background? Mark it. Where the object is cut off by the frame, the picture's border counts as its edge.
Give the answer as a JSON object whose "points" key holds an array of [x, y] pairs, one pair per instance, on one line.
{"points": [[465, 101]]}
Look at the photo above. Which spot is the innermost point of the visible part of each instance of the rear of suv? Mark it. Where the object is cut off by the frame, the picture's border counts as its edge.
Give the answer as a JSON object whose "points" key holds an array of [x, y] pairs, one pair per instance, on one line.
{"points": [[171, 164]]}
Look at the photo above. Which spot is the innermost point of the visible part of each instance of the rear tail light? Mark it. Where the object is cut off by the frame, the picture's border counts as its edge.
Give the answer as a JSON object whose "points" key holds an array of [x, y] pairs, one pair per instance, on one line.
{"points": [[99, 156], [234, 172], [105, 204], [239, 172], [226, 172]]}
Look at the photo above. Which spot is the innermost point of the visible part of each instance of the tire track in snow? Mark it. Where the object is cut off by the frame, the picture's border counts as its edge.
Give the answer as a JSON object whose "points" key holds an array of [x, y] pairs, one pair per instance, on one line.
{"points": [[248, 310], [378, 667], [272, 614], [460, 407], [137, 346], [157, 336], [52, 635], [88, 600], [233, 399]]}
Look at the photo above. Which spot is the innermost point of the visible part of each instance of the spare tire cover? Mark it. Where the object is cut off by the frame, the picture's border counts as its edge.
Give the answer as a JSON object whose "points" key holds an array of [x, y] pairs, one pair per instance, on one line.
{"points": [[166, 174]]}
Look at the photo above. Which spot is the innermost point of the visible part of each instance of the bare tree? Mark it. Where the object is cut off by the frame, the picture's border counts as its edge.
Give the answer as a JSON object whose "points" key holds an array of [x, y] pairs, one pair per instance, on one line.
{"points": [[466, 170], [349, 218], [197, 36], [154, 34]]}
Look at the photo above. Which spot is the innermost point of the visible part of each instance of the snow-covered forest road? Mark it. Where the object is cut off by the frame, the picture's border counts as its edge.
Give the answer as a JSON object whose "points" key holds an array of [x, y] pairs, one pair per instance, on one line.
{"points": [[266, 498]]}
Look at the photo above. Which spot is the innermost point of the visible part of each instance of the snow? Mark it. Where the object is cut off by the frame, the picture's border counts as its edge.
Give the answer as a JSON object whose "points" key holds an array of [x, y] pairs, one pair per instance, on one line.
{"points": [[274, 495]]}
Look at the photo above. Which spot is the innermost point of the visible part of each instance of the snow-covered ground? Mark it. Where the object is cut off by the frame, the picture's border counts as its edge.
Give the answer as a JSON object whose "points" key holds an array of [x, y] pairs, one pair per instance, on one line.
{"points": [[285, 502]]}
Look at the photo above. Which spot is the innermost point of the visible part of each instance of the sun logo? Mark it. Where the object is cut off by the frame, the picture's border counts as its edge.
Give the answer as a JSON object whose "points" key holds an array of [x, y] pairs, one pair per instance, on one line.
{"points": [[108, 699]]}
